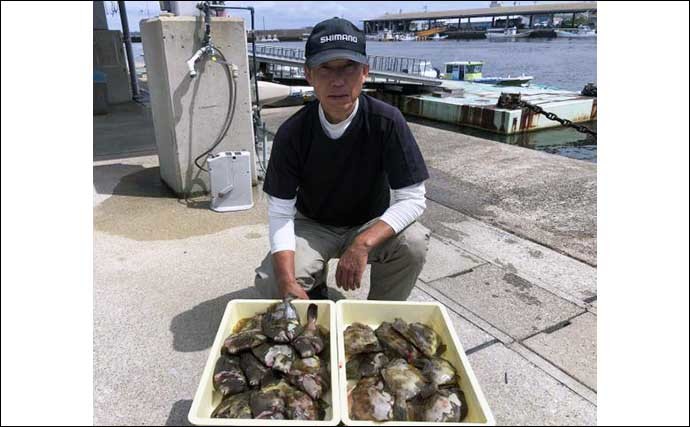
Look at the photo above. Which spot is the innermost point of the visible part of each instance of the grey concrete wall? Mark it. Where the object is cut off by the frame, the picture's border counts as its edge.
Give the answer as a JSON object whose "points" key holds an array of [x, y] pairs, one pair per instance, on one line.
{"points": [[188, 113], [109, 57], [99, 20]]}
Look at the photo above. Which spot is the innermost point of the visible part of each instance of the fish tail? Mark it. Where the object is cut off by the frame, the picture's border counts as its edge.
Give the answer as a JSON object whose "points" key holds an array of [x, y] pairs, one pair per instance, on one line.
{"points": [[312, 312]]}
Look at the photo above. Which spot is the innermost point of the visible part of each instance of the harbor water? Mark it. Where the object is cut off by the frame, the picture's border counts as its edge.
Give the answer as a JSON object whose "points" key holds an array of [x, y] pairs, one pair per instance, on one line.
{"points": [[554, 63], [559, 63]]}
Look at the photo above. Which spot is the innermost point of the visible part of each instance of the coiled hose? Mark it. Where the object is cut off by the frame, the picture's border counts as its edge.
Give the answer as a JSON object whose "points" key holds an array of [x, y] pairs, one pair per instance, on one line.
{"points": [[231, 107]]}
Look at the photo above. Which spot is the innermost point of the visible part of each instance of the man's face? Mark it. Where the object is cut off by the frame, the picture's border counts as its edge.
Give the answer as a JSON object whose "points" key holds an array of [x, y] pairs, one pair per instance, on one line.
{"points": [[337, 84]]}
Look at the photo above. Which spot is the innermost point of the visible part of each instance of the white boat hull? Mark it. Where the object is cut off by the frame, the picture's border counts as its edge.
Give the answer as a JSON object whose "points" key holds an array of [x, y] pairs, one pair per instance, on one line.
{"points": [[272, 92], [506, 36], [571, 35]]}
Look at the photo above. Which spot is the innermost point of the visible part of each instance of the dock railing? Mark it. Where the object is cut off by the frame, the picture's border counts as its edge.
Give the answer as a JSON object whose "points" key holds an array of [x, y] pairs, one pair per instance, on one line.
{"points": [[401, 65], [391, 64], [280, 52]]}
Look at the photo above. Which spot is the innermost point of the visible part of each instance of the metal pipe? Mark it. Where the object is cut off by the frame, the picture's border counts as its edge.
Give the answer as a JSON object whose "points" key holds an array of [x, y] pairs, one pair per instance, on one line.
{"points": [[207, 25], [128, 48], [256, 83], [264, 147]]}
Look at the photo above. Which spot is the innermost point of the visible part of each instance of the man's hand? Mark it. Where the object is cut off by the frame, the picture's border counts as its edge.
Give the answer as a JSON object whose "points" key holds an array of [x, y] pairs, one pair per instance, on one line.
{"points": [[293, 288], [284, 268], [354, 260], [351, 267]]}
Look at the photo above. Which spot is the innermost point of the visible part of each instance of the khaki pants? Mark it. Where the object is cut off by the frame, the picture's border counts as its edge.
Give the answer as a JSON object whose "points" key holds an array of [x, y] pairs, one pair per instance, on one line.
{"points": [[395, 264]]}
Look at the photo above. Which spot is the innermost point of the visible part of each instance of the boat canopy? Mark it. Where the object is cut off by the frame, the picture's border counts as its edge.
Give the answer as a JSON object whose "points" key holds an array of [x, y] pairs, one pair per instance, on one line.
{"points": [[466, 66]]}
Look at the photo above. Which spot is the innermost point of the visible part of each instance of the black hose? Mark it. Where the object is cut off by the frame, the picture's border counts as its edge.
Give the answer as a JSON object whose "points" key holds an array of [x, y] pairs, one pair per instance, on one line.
{"points": [[229, 115]]}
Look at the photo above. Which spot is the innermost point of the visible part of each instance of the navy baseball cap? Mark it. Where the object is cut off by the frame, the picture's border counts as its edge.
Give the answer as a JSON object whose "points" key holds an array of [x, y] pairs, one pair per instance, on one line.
{"points": [[335, 38]]}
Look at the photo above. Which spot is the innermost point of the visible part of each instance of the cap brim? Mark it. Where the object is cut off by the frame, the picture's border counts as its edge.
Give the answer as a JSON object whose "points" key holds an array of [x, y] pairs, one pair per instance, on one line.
{"points": [[333, 54]]}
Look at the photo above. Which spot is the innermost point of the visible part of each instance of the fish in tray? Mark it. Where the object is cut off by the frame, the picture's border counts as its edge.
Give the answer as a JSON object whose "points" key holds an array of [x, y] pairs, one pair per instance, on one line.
{"points": [[241, 341], [228, 378], [246, 334], [256, 372], [360, 338], [301, 407], [423, 337], [260, 374], [298, 405], [437, 370], [281, 321], [405, 382], [235, 406], [370, 401], [447, 405], [394, 344], [276, 356], [310, 376], [268, 403], [365, 365], [248, 323], [311, 341]]}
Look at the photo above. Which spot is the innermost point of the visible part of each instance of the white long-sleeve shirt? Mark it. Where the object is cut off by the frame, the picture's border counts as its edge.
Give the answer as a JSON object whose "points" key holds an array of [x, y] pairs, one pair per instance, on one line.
{"points": [[407, 204]]}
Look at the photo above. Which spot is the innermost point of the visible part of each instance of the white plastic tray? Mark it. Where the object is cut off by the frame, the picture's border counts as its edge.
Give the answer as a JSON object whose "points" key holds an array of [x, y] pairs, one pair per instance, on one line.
{"points": [[206, 399], [373, 313]]}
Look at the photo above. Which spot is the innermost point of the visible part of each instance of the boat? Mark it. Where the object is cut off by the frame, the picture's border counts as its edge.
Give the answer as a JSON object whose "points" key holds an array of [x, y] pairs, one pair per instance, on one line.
{"points": [[386, 36], [522, 80], [297, 95], [268, 39], [438, 37], [471, 71], [382, 36], [271, 92], [506, 33], [581, 32], [407, 37], [305, 36]]}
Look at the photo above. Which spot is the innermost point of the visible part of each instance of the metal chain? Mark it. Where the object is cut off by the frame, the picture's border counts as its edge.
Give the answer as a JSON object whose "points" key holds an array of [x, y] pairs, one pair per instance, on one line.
{"points": [[513, 101], [552, 116]]}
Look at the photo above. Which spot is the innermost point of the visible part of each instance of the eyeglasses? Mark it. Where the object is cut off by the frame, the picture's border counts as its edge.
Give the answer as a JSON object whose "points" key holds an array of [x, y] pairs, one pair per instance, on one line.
{"points": [[329, 72]]}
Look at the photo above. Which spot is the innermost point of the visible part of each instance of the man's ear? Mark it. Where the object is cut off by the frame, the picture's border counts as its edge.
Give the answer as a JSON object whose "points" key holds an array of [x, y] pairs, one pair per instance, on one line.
{"points": [[365, 73], [307, 75]]}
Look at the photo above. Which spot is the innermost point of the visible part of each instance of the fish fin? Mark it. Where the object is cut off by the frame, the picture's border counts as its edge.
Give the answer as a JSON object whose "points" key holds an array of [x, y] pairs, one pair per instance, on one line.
{"points": [[400, 409], [421, 363], [322, 403], [427, 390], [463, 401]]}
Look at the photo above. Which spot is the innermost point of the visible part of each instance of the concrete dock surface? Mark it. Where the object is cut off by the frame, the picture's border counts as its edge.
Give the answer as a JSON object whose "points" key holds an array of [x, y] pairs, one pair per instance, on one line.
{"points": [[512, 257]]}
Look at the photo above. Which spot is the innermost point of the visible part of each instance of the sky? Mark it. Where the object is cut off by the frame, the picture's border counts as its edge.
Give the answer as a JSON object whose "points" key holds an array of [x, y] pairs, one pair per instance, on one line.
{"points": [[300, 14]]}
